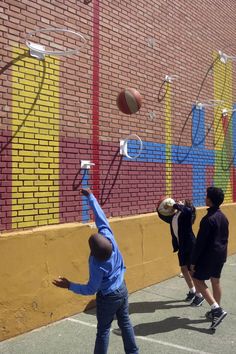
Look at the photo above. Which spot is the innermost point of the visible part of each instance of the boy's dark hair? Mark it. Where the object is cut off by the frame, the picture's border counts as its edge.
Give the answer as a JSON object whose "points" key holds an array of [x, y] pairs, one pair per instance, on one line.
{"points": [[100, 246], [190, 205], [216, 195]]}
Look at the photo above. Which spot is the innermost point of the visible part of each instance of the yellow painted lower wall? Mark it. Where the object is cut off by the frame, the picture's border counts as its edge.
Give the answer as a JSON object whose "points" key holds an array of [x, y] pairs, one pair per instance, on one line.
{"points": [[30, 260]]}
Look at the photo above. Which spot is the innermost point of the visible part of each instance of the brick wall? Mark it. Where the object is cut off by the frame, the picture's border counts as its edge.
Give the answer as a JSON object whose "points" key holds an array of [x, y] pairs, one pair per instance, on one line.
{"points": [[57, 112]]}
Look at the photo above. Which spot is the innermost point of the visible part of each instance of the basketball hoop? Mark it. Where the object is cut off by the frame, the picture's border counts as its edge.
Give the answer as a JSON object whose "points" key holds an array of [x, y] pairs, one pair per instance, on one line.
{"points": [[208, 103], [124, 146], [226, 111], [39, 51]]}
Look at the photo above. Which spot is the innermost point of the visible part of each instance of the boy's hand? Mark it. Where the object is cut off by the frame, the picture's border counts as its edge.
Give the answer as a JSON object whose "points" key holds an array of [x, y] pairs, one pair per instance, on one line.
{"points": [[86, 192], [61, 283]]}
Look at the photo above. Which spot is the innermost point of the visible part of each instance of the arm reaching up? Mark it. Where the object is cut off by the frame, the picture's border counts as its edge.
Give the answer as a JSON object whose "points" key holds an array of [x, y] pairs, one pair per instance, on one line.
{"points": [[100, 217]]}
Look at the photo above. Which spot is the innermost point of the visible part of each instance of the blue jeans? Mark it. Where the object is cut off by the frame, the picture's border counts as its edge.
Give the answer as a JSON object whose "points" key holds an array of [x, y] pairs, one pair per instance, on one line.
{"points": [[115, 303]]}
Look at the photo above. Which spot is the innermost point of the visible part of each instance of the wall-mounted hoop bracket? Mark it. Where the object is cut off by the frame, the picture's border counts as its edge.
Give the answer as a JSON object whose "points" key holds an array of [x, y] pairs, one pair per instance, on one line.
{"points": [[224, 57], [199, 105], [86, 164], [170, 78], [226, 112], [124, 146], [37, 50]]}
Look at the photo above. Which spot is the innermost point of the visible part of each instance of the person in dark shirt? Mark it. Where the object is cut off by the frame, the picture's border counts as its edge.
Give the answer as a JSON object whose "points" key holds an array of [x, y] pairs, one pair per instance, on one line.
{"points": [[210, 254], [106, 279], [183, 241]]}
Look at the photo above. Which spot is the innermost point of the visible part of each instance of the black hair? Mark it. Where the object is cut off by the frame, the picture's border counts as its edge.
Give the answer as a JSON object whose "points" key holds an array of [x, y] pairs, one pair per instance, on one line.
{"points": [[216, 195], [190, 205], [100, 246]]}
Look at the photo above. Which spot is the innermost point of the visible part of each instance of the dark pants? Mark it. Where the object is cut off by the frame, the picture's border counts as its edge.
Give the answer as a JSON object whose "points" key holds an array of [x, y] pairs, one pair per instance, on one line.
{"points": [[108, 306]]}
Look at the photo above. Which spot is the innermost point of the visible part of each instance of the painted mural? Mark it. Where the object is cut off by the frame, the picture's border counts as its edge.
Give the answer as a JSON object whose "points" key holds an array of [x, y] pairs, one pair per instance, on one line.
{"points": [[187, 144]]}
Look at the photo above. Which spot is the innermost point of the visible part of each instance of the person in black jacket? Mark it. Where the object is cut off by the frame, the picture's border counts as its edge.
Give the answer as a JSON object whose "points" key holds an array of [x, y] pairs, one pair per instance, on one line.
{"points": [[183, 241], [210, 254]]}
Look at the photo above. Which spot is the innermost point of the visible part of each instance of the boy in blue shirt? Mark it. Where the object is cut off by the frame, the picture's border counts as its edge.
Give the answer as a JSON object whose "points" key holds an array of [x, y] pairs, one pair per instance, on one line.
{"points": [[106, 279]]}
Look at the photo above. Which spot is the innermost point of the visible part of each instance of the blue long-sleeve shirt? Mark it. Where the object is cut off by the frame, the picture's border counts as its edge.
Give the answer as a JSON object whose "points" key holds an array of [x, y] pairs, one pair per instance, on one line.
{"points": [[105, 276]]}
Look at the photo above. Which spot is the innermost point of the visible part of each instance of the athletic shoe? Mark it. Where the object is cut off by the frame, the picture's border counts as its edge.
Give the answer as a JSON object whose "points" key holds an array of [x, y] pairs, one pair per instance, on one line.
{"points": [[217, 316], [208, 315], [190, 297], [197, 301]]}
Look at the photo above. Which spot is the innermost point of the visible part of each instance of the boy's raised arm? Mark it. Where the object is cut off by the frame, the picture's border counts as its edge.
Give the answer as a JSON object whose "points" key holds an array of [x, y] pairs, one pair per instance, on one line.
{"points": [[100, 217]]}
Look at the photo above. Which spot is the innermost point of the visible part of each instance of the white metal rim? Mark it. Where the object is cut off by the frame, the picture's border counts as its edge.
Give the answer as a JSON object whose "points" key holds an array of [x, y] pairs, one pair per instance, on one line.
{"points": [[54, 52], [140, 147]]}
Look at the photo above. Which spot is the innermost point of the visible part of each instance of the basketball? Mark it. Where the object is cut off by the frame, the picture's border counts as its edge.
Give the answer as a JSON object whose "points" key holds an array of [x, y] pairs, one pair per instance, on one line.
{"points": [[129, 101], [165, 207]]}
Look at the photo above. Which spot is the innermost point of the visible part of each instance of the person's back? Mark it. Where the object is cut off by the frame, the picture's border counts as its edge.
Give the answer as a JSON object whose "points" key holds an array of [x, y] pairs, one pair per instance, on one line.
{"points": [[186, 237], [112, 268], [212, 238], [218, 241]]}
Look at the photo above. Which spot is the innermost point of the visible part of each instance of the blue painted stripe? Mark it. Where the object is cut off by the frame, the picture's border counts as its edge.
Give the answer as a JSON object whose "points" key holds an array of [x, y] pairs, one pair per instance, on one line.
{"points": [[194, 155], [151, 152], [198, 127], [85, 205], [156, 152], [199, 185], [203, 158]]}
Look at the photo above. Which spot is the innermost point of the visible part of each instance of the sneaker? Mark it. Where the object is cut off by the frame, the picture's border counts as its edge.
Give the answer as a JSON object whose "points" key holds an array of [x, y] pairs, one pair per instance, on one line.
{"points": [[190, 297], [209, 315], [197, 301], [217, 316]]}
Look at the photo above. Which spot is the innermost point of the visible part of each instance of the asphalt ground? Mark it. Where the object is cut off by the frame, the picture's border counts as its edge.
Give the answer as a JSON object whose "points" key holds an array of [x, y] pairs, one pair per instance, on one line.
{"points": [[163, 323]]}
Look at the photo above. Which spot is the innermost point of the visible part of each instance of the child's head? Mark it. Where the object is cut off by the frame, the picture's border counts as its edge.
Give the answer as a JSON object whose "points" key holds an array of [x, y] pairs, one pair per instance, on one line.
{"points": [[215, 196], [100, 247], [189, 204]]}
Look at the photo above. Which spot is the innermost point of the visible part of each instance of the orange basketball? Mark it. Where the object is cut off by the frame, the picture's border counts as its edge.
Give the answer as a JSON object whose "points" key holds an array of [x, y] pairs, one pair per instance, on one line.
{"points": [[129, 101]]}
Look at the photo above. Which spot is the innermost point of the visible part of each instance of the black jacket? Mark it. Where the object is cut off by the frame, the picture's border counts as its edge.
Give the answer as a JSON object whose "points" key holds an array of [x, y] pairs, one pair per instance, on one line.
{"points": [[186, 239], [212, 238]]}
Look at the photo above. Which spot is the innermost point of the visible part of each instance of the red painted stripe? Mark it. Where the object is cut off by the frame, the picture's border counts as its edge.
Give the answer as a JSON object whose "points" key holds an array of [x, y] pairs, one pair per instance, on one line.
{"points": [[95, 111]]}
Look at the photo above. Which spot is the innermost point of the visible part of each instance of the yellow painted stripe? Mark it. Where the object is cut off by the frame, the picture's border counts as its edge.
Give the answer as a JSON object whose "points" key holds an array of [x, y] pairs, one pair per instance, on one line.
{"points": [[35, 144], [168, 140], [222, 91]]}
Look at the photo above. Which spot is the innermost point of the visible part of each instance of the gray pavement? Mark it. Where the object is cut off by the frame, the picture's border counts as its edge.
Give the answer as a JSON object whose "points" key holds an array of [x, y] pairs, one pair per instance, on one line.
{"points": [[162, 321]]}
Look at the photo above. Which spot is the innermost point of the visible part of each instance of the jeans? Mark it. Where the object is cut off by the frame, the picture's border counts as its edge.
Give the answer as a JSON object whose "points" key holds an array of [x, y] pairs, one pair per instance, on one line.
{"points": [[115, 303]]}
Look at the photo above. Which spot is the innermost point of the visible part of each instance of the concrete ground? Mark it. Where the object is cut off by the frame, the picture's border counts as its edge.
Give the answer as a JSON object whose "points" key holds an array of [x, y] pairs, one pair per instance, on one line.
{"points": [[162, 321]]}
